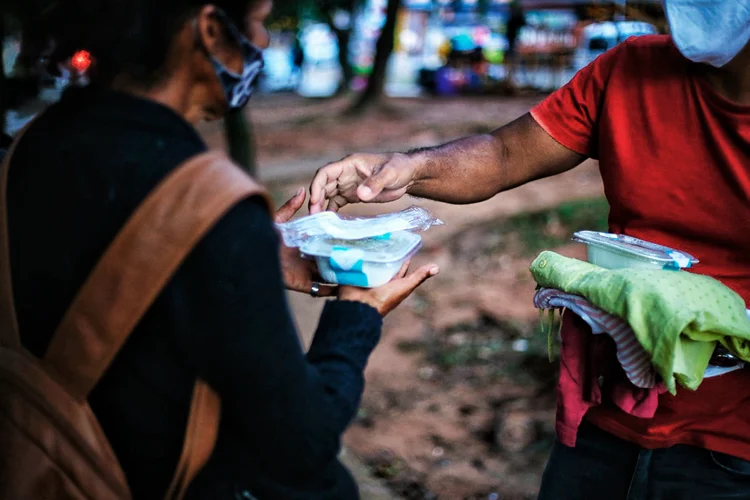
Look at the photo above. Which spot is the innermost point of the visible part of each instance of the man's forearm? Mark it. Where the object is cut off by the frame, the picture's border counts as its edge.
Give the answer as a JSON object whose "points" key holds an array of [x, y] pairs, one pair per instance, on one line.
{"points": [[477, 168], [467, 170]]}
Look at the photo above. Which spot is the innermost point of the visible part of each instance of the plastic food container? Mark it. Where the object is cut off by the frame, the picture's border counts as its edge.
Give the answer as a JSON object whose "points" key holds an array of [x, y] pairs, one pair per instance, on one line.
{"points": [[618, 251], [365, 263], [334, 225]]}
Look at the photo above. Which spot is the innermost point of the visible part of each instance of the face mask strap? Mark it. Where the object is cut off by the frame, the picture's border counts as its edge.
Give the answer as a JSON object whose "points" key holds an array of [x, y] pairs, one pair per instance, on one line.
{"points": [[234, 34], [238, 87], [231, 27]]}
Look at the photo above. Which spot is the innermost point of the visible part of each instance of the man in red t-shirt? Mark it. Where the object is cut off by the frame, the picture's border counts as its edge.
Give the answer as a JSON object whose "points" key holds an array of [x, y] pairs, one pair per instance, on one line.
{"points": [[668, 118]]}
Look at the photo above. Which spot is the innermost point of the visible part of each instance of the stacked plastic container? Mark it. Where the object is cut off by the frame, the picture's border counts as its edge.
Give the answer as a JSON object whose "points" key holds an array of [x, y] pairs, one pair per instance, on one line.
{"points": [[618, 251]]}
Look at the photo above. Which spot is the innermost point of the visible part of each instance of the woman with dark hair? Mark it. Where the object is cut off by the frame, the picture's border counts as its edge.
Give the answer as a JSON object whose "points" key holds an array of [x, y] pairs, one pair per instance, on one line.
{"points": [[76, 176]]}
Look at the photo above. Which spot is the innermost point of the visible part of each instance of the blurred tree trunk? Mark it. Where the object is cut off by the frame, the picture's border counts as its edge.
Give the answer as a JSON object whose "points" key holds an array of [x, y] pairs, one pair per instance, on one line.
{"points": [[646, 14], [343, 36], [383, 51], [32, 46], [3, 83], [347, 73], [240, 137]]}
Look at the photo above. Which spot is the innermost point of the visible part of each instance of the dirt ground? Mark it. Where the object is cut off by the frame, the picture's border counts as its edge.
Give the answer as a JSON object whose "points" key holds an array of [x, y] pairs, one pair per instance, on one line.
{"points": [[459, 401], [293, 133]]}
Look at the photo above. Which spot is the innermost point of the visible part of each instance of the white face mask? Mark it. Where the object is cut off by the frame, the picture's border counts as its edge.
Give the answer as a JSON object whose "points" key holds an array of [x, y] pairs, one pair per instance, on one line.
{"points": [[709, 31]]}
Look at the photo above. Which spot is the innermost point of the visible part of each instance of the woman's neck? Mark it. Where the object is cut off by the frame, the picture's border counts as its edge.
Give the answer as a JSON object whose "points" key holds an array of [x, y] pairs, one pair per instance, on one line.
{"points": [[172, 93]]}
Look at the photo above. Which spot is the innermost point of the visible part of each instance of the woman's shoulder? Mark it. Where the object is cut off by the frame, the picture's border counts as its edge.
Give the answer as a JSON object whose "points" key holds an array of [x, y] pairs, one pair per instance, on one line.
{"points": [[108, 141]]}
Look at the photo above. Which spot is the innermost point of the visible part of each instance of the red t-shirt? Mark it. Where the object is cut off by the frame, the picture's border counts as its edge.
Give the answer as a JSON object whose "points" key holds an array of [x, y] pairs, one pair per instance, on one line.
{"points": [[675, 159]]}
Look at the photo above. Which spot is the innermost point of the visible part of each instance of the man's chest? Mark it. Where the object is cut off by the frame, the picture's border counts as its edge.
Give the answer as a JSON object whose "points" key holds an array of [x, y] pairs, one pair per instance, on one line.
{"points": [[675, 166]]}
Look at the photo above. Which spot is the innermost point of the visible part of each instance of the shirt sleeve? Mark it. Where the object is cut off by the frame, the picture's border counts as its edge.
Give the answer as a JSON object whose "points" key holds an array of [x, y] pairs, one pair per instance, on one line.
{"points": [[570, 114], [283, 405]]}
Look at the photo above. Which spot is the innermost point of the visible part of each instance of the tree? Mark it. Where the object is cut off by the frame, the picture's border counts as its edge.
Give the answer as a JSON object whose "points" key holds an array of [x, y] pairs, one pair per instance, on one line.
{"points": [[329, 9], [240, 137], [3, 85], [645, 12], [383, 51]]}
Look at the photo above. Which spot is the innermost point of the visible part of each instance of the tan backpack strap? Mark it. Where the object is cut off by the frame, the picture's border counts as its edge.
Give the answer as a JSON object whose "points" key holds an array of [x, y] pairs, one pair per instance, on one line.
{"points": [[200, 437], [137, 265], [9, 336], [129, 276]]}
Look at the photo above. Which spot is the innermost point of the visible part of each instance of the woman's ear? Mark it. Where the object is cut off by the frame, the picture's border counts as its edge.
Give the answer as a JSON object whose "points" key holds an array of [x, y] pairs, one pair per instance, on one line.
{"points": [[213, 36]]}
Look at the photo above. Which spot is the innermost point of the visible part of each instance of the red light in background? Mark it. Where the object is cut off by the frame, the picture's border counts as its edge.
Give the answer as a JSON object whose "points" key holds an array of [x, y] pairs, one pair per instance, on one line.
{"points": [[81, 60]]}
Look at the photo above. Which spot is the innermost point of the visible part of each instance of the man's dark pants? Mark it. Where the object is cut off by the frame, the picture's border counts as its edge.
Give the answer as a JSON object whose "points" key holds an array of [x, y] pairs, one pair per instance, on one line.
{"points": [[604, 467]]}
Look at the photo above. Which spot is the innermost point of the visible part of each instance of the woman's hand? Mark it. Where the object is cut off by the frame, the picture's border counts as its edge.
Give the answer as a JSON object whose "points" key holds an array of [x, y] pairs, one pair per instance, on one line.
{"points": [[299, 274], [387, 297]]}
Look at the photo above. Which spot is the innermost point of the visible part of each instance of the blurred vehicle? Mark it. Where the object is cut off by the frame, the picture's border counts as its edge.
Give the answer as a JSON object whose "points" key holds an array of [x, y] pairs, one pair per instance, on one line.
{"points": [[321, 72], [319, 79], [597, 38], [279, 73]]}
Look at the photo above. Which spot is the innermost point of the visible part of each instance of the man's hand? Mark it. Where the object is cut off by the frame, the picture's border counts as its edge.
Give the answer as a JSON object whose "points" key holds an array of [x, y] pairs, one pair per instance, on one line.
{"points": [[368, 178], [298, 273]]}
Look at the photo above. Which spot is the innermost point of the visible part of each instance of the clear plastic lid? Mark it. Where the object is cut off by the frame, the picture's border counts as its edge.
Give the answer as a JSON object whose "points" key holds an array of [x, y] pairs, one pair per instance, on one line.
{"points": [[384, 249], [333, 225], [637, 249]]}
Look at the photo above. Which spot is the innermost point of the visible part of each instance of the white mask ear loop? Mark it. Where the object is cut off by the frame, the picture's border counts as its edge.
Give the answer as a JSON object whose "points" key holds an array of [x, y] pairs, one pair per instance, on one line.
{"points": [[238, 87]]}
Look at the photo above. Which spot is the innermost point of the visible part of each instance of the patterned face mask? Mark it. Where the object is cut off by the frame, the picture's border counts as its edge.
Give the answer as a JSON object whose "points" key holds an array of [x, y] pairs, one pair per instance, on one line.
{"points": [[238, 88]]}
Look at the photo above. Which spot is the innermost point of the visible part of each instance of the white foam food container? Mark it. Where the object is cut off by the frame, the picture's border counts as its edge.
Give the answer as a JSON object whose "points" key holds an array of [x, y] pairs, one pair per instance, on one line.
{"points": [[365, 263], [618, 251]]}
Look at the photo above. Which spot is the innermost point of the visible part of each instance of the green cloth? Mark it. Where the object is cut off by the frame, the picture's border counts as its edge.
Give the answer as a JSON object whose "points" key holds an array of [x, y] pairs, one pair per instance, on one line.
{"points": [[677, 316]]}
